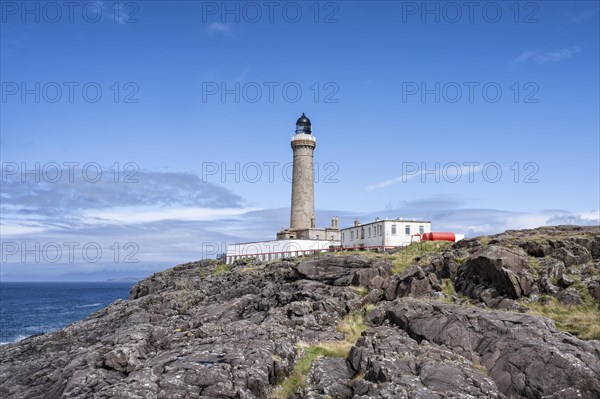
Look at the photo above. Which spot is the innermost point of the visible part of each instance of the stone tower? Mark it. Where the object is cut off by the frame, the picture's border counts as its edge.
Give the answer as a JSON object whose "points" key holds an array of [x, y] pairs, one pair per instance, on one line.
{"points": [[303, 190]]}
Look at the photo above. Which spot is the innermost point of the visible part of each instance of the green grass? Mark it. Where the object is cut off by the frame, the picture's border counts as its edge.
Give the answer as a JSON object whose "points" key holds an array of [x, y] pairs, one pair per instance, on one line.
{"points": [[297, 378], [351, 326], [367, 253], [425, 250], [360, 290], [369, 307], [448, 287], [535, 265], [259, 266], [481, 368], [582, 320], [448, 290], [485, 240], [220, 269]]}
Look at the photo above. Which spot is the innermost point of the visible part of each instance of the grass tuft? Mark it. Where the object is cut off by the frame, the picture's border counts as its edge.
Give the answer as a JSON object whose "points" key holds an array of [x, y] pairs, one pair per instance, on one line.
{"points": [[582, 320], [448, 287], [417, 253], [360, 290], [220, 269], [351, 326]]}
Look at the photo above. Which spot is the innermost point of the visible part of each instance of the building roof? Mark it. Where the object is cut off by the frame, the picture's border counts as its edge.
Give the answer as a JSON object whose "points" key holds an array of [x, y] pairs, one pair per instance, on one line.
{"points": [[303, 120]]}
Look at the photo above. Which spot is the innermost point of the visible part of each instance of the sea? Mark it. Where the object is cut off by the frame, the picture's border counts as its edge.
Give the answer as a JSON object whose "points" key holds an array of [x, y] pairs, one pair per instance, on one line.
{"points": [[38, 308]]}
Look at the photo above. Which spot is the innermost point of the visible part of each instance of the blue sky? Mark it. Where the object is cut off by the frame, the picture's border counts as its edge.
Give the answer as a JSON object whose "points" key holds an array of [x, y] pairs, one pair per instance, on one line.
{"points": [[416, 107]]}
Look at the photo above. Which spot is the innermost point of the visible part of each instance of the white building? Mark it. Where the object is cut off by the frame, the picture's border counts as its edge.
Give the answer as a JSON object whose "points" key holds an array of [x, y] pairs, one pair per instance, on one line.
{"points": [[276, 249], [384, 233]]}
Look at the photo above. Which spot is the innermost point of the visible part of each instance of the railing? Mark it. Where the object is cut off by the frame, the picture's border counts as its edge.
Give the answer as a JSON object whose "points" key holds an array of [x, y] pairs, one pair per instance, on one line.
{"points": [[307, 252]]}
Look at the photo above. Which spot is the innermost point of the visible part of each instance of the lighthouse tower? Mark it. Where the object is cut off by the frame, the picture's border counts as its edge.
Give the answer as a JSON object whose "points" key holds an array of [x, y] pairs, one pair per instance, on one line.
{"points": [[302, 237], [303, 190], [302, 215]]}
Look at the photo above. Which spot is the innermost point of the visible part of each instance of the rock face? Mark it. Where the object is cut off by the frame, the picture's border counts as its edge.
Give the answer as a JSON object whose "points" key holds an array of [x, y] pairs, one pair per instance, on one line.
{"points": [[505, 270], [525, 355], [195, 331], [526, 263], [412, 282], [396, 365]]}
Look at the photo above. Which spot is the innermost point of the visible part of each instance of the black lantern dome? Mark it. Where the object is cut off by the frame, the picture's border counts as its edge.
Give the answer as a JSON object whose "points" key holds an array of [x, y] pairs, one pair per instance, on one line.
{"points": [[303, 125]]}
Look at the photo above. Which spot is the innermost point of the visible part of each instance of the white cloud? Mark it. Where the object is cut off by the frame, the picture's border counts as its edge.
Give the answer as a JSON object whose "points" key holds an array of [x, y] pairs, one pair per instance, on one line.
{"points": [[148, 216], [218, 27], [545, 57], [462, 170], [17, 229]]}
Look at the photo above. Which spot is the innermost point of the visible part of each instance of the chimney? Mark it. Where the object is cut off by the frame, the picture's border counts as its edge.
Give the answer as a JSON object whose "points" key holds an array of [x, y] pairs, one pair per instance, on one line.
{"points": [[356, 222], [335, 223]]}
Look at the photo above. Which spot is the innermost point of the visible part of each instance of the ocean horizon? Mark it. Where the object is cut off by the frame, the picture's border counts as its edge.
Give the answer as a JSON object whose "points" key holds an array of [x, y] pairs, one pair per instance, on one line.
{"points": [[30, 308]]}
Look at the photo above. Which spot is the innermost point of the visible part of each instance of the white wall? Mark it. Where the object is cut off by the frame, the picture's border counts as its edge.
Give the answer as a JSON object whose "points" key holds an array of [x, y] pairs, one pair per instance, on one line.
{"points": [[381, 233], [276, 249]]}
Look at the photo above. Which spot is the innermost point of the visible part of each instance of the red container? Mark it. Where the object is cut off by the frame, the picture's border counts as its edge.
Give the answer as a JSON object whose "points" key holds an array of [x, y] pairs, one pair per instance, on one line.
{"points": [[438, 236]]}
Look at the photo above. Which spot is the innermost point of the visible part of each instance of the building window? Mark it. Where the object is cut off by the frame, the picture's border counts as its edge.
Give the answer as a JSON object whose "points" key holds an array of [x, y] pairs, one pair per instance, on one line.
{"points": [[380, 230], [369, 232], [393, 229], [343, 236], [407, 229], [352, 235], [421, 229]]}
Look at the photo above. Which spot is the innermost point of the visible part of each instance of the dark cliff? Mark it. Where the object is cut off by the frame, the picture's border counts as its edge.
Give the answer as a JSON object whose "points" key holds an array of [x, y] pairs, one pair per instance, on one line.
{"points": [[426, 322]]}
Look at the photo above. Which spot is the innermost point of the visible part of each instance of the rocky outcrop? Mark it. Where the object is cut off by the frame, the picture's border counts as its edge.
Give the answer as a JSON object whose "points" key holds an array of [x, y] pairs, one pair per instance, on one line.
{"points": [[347, 270], [185, 333], [557, 261], [412, 282], [526, 356], [392, 364], [505, 270], [204, 330], [571, 251]]}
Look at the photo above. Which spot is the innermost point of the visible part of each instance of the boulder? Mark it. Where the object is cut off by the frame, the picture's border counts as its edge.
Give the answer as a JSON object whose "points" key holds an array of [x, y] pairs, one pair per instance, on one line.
{"points": [[565, 281], [330, 376], [412, 282], [594, 288], [570, 296], [504, 269], [551, 267]]}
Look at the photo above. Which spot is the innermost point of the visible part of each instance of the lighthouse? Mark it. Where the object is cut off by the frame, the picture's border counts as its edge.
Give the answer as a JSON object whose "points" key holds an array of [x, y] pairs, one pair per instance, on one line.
{"points": [[302, 211], [302, 215], [302, 237]]}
